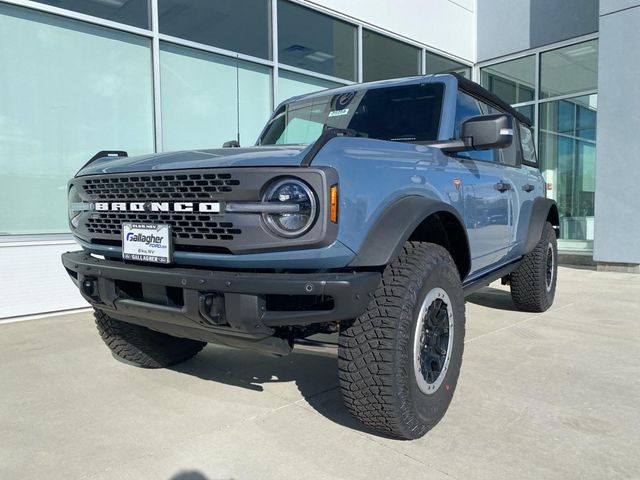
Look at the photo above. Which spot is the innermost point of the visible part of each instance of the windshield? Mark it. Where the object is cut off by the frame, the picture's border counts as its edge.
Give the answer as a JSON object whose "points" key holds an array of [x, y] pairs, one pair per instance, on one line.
{"points": [[409, 113]]}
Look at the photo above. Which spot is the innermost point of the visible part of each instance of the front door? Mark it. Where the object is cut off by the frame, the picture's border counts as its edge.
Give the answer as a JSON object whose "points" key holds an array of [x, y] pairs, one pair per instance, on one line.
{"points": [[487, 213]]}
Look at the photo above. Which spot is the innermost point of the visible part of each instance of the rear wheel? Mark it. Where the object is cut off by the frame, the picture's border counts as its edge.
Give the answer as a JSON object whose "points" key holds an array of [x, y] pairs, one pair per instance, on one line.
{"points": [[144, 347], [399, 361], [533, 283]]}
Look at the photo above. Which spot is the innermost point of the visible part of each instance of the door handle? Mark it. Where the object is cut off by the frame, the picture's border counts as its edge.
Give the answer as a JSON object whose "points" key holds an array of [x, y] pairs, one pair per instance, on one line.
{"points": [[528, 187], [503, 186]]}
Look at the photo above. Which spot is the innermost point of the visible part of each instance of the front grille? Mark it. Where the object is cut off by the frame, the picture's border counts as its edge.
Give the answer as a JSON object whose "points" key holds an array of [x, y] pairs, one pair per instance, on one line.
{"points": [[189, 229], [183, 226], [192, 187], [133, 197]]}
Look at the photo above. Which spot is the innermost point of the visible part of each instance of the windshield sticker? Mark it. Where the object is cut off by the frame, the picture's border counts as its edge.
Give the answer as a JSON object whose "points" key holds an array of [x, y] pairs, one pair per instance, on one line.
{"points": [[342, 101], [338, 113]]}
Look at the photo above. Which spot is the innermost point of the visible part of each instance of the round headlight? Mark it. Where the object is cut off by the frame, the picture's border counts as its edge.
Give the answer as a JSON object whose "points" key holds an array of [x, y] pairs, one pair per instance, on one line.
{"points": [[293, 195], [74, 211]]}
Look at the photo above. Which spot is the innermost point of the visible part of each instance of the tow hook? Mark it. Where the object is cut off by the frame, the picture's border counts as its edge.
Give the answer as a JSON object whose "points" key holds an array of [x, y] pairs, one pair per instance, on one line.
{"points": [[89, 287], [211, 308]]}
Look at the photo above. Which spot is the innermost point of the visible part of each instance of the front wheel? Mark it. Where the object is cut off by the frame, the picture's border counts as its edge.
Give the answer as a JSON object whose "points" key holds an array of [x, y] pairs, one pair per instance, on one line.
{"points": [[144, 347], [399, 362]]}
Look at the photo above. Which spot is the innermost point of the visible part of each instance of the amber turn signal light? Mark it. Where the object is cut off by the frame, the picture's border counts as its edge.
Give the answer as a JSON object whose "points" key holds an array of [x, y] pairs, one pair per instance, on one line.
{"points": [[333, 203]]}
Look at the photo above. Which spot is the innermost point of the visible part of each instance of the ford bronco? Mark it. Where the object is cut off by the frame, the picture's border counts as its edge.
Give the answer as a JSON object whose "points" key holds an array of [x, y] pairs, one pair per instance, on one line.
{"points": [[370, 210]]}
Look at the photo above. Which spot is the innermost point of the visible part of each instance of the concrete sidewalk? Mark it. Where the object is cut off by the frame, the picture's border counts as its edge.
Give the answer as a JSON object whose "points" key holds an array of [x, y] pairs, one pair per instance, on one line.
{"points": [[555, 395]]}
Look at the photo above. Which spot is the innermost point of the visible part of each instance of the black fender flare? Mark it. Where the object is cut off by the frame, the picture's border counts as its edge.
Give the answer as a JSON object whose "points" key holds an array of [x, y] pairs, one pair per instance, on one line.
{"points": [[543, 209], [396, 224]]}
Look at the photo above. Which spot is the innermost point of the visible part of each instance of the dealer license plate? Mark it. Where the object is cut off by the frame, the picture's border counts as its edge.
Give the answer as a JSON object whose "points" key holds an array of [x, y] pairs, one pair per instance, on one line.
{"points": [[146, 243]]}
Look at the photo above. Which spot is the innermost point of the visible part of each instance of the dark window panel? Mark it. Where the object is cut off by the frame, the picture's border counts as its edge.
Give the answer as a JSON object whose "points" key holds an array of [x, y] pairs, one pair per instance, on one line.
{"points": [[316, 42], [132, 12], [384, 57], [437, 64], [237, 25]]}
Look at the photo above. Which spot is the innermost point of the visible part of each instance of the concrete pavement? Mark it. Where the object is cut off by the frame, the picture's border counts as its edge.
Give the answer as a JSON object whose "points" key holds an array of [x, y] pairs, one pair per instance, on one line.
{"points": [[554, 395]]}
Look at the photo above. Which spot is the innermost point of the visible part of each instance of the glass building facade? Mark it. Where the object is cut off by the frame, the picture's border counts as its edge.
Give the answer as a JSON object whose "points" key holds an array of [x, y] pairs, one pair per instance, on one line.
{"points": [[79, 76], [557, 89]]}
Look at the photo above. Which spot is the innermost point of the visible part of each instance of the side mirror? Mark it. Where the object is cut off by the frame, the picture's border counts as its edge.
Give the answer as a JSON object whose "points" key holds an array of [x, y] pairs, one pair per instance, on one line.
{"points": [[485, 132], [231, 144]]}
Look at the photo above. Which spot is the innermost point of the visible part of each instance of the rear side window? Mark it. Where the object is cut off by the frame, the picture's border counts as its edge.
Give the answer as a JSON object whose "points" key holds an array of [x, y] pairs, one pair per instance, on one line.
{"points": [[528, 149]]}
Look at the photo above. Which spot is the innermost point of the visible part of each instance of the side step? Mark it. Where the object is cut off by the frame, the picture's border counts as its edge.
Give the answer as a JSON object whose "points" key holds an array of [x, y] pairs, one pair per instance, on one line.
{"points": [[483, 281]]}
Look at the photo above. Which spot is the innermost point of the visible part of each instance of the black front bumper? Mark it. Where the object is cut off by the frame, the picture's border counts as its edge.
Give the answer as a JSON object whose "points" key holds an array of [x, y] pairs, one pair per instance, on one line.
{"points": [[231, 308]]}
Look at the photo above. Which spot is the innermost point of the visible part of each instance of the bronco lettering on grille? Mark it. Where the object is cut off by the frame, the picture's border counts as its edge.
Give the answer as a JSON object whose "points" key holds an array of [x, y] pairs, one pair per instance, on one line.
{"points": [[203, 207]]}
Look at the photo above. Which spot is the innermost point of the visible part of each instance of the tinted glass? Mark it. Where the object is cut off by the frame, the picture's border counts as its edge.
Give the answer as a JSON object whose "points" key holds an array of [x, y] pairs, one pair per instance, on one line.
{"points": [[405, 114], [508, 155], [570, 69], [316, 42], [384, 57], [439, 64], [467, 107], [513, 81], [208, 99], [67, 90], [237, 25], [131, 12], [567, 156]]}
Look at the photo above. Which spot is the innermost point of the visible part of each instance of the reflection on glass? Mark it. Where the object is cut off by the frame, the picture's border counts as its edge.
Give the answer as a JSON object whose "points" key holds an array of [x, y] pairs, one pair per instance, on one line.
{"points": [[569, 70], [567, 153], [409, 113], [437, 64], [200, 108], [529, 112], [316, 42], [67, 90], [384, 57], [292, 84], [240, 26], [512, 81], [131, 12]]}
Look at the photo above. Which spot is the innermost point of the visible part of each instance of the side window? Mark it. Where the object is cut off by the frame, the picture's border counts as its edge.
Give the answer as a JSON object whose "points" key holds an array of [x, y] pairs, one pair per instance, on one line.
{"points": [[509, 155], [528, 150], [466, 107]]}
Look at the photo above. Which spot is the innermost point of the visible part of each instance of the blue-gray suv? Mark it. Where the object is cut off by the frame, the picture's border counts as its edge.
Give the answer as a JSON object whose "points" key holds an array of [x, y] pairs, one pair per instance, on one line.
{"points": [[370, 210]]}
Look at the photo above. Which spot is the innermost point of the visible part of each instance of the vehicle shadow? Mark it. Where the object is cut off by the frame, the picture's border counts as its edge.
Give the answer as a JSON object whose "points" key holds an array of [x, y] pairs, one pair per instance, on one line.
{"points": [[492, 298], [313, 369]]}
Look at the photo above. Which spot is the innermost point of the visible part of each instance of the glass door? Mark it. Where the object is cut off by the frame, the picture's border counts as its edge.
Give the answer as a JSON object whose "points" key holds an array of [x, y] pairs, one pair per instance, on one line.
{"points": [[567, 153]]}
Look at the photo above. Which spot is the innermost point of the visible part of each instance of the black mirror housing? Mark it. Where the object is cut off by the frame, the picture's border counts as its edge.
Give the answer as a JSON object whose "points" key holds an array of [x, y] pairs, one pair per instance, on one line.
{"points": [[485, 132]]}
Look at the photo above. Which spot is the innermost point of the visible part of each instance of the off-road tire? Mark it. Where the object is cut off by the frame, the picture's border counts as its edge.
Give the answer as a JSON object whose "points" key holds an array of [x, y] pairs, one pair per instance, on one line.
{"points": [[530, 290], [144, 347], [375, 354]]}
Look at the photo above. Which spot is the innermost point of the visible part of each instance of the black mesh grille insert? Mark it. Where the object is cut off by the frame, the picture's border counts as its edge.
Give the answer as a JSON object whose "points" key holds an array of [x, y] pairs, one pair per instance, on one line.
{"points": [[188, 226], [177, 187]]}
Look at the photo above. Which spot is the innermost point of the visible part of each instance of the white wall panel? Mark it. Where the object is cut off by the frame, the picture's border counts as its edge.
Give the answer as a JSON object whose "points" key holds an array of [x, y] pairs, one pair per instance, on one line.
{"points": [[33, 280], [446, 25]]}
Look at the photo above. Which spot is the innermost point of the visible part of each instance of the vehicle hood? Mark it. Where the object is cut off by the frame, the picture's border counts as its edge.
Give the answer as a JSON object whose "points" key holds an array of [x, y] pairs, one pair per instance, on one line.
{"points": [[268, 156]]}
